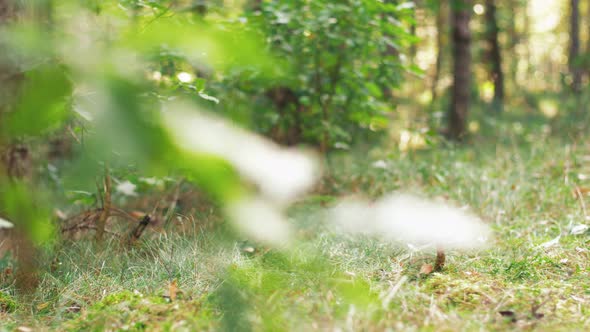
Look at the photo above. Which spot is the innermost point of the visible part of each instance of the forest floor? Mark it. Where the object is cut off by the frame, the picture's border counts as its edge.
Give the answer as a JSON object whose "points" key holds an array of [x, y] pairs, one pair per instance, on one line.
{"points": [[528, 178]]}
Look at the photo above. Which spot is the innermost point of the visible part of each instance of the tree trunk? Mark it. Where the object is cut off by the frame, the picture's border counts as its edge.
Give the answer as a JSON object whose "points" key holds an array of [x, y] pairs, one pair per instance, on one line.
{"points": [[525, 39], [440, 32], [495, 56], [574, 51], [461, 40], [586, 62], [587, 56], [514, 40], [254, 5]]}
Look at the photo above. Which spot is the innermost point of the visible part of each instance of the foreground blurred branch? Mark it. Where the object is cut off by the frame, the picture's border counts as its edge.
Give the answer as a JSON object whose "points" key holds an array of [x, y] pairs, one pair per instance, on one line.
{"points": [[14, 158]]}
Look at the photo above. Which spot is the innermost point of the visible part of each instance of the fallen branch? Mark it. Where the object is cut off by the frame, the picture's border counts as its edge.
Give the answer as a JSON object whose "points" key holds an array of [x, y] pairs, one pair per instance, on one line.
{"points": [[88, 227], [106, 207]]}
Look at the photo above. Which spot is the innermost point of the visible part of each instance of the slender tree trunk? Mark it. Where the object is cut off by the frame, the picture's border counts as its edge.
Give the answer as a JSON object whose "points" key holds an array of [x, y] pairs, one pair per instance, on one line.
{"points": [[495, 55], [587, 57], [574, 51], [440, 32], [525, 38], [254, 5], [514, 38], [461, 40]]}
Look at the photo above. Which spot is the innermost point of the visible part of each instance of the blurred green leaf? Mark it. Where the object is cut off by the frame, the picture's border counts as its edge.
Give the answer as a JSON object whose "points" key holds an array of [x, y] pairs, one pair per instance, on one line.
{"points": [[28, 209], [43, 104]]}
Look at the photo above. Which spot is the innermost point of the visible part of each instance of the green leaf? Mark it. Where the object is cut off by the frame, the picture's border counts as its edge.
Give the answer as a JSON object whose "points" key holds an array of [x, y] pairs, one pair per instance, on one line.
{"points": [[43, 104], [28, 209]]}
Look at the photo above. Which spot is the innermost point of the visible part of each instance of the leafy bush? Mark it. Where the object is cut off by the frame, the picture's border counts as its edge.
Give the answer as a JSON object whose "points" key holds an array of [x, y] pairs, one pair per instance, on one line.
{"points": [[345, 57]]}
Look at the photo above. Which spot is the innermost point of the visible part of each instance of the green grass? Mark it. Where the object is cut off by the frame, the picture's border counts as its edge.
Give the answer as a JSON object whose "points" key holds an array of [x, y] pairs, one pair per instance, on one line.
{"points": [[519, 178]]}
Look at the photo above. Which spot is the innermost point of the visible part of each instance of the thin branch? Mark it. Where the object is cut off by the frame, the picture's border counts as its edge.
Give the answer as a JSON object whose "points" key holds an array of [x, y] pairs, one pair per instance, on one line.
{"points": [[106, 208], [88, 227], [580, 196], [439, 263], [172, 207], [114, 212]]}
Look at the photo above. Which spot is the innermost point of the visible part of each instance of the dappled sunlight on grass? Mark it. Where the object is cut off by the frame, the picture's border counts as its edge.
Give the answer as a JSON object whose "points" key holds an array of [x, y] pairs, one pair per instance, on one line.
{"points": [[293, 166], [524, 192], [549, 108]]}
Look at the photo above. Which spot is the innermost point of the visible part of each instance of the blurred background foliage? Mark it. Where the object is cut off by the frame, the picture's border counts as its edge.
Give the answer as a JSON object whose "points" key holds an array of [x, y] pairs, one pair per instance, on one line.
{"points": [[320, 73]]}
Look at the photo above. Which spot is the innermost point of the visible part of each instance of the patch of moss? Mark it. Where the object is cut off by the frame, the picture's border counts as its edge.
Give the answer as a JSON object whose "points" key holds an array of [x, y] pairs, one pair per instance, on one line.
{"points": [[458, 292], [132, 311], [116, 298], [7, 303]]}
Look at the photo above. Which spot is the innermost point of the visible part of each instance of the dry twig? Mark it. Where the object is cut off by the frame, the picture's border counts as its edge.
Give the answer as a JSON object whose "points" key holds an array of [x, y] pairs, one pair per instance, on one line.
{"points": [[439, 263], [106, 207]]}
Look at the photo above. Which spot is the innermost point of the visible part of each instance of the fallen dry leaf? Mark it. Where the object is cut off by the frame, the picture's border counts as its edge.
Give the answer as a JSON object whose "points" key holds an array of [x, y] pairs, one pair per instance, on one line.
{"points": [[172, 290], [580, 192], [42, 306], [426, 269], [137, 214]]}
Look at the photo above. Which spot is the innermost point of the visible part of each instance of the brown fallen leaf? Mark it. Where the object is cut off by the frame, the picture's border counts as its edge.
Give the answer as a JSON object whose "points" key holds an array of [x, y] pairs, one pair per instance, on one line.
{"points": [[426, 269], [137, 214], [172, 290], [42, 306], [580, 192]]}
